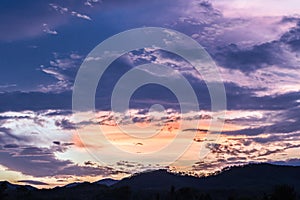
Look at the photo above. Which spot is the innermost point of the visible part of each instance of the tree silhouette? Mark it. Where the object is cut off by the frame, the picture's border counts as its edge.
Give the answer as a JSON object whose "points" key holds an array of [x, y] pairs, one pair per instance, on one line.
{"points": [[3, 187], [157, 196], [285, 192]]}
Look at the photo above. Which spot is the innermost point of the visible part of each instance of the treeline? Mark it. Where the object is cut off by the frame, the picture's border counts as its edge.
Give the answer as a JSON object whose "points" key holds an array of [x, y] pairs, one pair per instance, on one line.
{"points": [[93, 192]]}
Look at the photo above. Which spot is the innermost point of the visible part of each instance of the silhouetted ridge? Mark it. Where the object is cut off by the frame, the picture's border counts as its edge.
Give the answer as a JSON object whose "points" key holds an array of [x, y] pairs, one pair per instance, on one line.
{"points": [[253, 181], [247, 176]]}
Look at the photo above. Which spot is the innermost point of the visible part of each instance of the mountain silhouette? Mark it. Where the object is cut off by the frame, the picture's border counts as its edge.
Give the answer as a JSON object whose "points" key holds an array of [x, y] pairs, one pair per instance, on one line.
{"points": [[254, 181], [107, 182], [252, 175]]}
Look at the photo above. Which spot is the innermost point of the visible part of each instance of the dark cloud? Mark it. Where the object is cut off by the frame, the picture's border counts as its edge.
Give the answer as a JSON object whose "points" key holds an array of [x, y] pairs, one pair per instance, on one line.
{"points": [[136, 167], [229, 153], [7, 146], [90, 163], [287, 19], [242, 98], [248, 60], [28, 159], [67, 144], [56, 142], [35, 101], [291, 38], [65, 124], [290, 118], [60, 146], [59, 113], [284, 128], [247, 131], [195, 130], [270, 152], [262, 55], [240, 150], [214, 166], [236, 159], [14, 117]]}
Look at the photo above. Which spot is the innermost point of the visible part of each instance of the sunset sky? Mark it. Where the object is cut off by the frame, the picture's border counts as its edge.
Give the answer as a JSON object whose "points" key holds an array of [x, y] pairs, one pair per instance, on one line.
{"points": [[254, 44]]}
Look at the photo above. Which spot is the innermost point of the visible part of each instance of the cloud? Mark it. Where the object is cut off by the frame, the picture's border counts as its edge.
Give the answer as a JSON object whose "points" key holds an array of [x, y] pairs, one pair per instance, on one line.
{"points": [[237, 151], [288, 121], [20, 101], [198, 12], [135, 167], [64, 62], [28, 159], [58, 112], [247, 131], [258, 59], [63, 10], [23, 160], [58, 87], [59, 8], [280, 122], [237, 8], [7, 146], [63, 68], [7, 86], [19, 129], [293, 162], [247, 60], [65, 124], [253, 147], [268, 81], [92, 2], [292, 37], [251, 152], [261, 73], [269, 69], [212, 29], [32, 182], [8, 136], [54, 73], [161, 57], [53, 13], [46, 29], [62, 84], [81, 15]]}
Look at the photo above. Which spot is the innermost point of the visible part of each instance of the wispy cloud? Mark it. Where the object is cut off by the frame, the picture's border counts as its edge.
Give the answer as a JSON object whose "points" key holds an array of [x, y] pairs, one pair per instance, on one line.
{"points": [[82, 16], [46, 29], [6, 87], [32, 182], [92, 2], [59, 8], [63, 69], [64, 10]]}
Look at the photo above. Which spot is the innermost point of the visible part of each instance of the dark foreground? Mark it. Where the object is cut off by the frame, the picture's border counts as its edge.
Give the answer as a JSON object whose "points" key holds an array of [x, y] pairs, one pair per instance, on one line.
{"points": [[254, 181]]}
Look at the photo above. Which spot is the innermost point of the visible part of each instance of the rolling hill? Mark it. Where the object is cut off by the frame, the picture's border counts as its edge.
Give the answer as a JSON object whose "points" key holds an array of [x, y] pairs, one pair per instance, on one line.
{"points": [[255, 181]]}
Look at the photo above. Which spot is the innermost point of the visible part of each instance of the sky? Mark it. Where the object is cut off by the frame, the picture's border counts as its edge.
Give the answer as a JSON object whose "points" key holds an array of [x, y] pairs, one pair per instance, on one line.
{"points": [[255, 46]]}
